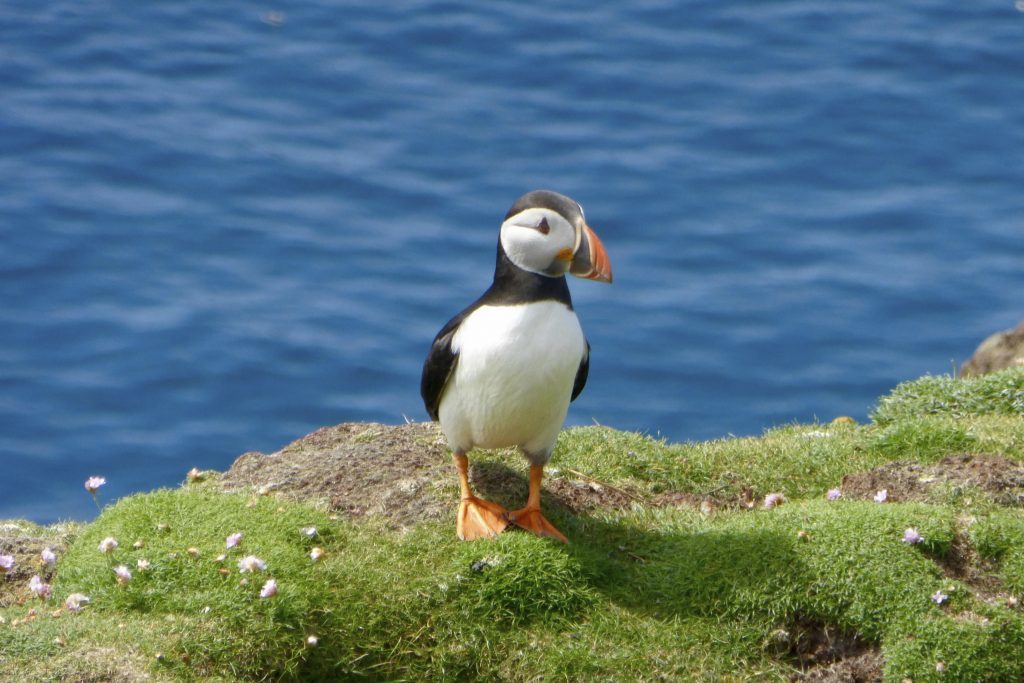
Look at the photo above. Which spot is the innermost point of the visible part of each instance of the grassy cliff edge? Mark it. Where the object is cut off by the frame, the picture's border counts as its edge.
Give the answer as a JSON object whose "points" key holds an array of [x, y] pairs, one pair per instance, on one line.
{"points": [[677, 568]]}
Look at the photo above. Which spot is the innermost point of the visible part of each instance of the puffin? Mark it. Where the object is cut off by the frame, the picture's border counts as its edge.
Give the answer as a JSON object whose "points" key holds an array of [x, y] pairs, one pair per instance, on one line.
{"points": [[503, 371]]}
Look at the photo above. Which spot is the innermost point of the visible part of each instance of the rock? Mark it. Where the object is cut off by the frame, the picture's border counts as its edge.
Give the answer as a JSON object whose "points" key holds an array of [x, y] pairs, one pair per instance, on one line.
{"points": [[1001, 350]]}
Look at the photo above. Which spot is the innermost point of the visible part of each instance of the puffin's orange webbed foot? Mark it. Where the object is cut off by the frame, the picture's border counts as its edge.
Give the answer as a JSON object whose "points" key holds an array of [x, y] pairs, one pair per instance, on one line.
{"points": [[479, 518], [531, 519]]}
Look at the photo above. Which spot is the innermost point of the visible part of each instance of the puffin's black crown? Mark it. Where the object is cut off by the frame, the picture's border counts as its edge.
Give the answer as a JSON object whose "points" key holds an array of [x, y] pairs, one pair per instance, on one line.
{"points": [[568, 208]]}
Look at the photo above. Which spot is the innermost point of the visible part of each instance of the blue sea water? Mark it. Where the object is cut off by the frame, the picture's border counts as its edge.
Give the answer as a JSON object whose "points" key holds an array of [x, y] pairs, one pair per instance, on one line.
{"points": [[223, 225]]}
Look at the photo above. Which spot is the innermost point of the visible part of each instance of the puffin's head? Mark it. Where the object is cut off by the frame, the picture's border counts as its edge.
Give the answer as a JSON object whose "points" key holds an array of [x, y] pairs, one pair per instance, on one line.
{"points": [[545, 232]]}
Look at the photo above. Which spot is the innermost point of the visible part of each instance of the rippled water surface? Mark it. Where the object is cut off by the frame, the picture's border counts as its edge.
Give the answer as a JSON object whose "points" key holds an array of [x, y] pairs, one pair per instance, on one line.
{"points": [[225, 225]]}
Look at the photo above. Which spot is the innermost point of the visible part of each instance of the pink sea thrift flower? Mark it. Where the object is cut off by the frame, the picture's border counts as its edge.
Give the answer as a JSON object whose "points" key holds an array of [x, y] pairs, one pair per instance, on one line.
{"points": [[250, 563], [49, 557], [774, 500], [92, 484], [108, 544], [939, 597], [269, 589], [6, 563], [123, 575], [912, 536], [882, 496], [76, 601], [834, 494], [36, 585], [234, 539]]}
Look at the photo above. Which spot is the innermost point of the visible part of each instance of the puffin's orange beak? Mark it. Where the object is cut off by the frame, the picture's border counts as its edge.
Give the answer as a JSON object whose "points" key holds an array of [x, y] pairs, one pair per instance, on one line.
{"points": [[591, 260]]}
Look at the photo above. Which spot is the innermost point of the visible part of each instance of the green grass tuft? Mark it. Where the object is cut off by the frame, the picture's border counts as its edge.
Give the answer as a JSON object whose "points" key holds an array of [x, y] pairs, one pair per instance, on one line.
{"points": [[515, 580], [997, 537], [222, 609], [998, 393], [922, 439], [971, 646], [800, 460]]}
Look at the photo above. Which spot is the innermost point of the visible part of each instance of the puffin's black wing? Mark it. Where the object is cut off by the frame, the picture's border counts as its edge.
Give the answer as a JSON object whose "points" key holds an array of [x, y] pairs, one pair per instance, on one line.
{"points": [[439, 365], [581, 374]]}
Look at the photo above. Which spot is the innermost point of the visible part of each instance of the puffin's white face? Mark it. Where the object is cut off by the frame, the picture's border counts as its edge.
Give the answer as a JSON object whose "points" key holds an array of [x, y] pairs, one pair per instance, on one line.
{"points": [[540, 241]]}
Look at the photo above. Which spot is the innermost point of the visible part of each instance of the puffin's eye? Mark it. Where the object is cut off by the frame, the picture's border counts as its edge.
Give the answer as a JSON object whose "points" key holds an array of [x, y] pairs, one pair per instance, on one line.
{"points": [[543, 226]]}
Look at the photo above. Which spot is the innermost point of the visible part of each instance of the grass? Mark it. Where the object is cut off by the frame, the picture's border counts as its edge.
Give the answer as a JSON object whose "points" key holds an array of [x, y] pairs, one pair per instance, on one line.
{"points": [[999, 393], [997, 537], [641, 593]]}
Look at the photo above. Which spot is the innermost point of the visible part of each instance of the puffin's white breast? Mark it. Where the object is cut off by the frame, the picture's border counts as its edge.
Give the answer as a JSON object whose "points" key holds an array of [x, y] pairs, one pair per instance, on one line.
{"points": [[514, 377]]}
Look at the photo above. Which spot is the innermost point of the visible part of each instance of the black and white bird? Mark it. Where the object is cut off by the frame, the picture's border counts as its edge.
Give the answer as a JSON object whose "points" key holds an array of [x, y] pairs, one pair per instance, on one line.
{"points": [[503, 371]]}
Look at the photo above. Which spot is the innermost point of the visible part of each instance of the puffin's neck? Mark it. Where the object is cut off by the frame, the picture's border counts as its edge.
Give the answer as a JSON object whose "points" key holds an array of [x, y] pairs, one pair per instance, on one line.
{"points": [[513, 285]]}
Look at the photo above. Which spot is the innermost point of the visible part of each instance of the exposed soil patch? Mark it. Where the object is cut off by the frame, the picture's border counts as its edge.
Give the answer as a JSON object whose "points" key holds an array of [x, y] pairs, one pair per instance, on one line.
{"points": [[998, 477], [964, 564], [357, 469], [26, 548], [862, 668], [584, 494], [403, 473], [905, 480], [498, 483], [829, 655], [707, 503]]}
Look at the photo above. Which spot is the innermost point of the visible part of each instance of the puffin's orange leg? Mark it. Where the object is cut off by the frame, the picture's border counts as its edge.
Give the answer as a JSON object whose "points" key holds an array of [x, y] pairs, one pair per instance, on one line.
{"points": [[478, 518], [530, 517]]}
